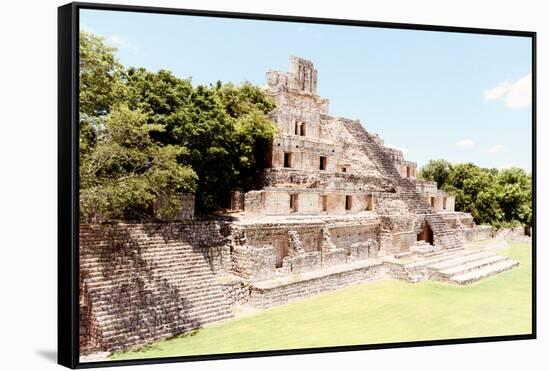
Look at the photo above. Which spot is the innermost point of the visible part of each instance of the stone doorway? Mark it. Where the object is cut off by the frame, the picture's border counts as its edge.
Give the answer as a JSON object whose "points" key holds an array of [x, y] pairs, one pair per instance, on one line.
{"points": [[426, 235], [281, 251], [287, 159]]}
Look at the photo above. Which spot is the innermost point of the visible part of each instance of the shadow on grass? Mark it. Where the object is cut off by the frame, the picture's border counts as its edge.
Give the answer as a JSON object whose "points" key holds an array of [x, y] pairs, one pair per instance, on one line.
{"points": [[185, 334], [155, 347]]}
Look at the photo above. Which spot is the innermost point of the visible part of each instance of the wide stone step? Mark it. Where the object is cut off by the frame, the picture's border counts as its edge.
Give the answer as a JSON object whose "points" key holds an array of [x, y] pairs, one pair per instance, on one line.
{"points": [[112, 332], [487, 271], [179, 269], [458, 260], [471, 266], [214, 308], [150, 261], [193, 297], [445, 256], [183, 284]]}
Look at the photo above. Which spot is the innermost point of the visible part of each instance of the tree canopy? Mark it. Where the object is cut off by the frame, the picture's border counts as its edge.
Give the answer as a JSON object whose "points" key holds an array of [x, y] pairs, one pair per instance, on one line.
{"points": [[148, 135], [500, 198]]}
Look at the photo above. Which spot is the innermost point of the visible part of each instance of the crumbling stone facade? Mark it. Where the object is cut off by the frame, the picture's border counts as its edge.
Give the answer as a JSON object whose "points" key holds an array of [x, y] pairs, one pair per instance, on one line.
{"points": [[323, 166]]}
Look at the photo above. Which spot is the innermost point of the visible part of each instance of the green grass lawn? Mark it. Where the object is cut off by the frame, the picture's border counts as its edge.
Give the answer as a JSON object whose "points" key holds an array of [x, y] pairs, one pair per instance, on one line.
{"points": [[378, 312]]}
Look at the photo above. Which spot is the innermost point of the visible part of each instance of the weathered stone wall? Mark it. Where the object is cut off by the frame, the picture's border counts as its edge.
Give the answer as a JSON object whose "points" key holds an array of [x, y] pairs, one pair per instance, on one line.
{"points": [[388, 204], [305, 152], [477, 233], [307, 262], [236, 200], [407, 169], [265, 297], [458, 220], [254, 263], [347, 235], [236, 291], [360, 250], [440, 201], [426, 186], [510, 233], [254, 201], [343, 243], [402, 241], [308, 202], [277, 237], [334, 257], [324, 181]]}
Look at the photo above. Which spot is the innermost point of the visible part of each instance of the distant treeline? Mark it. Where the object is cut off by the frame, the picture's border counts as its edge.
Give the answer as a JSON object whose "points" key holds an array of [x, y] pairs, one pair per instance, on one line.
{"points": [[501, 198], [148, 136]]}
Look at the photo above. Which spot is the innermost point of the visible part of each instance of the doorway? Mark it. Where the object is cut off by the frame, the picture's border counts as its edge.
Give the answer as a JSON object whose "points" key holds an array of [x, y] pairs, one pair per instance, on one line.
{"points": [[426, 234]]}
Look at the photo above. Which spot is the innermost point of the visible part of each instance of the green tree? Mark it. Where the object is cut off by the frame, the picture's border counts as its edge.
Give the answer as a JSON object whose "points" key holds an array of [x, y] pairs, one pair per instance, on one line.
{"points": [[475, 192], [99, 73], [515, 195], [437, 171], [500, 198], [159, 94], [123, 170], [221, 131], [227, 132]]}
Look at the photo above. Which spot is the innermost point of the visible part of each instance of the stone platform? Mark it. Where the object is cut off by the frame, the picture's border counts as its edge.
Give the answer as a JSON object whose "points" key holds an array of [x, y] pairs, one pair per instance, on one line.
{"points": [[461, 266], [285, 289]]}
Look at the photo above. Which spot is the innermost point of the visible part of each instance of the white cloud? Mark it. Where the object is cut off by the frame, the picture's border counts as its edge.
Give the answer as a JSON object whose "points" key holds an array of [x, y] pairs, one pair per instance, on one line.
{"points": [[465, 143], [404, 150], [121, 42], [516, 94], [496, 148], [118, 41], [84, 27]]}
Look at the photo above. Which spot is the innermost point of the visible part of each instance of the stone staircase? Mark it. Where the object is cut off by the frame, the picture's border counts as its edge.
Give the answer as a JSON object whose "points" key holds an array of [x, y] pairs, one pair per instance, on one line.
{"points": [[455, 266], [444, 235], [138, 287]]}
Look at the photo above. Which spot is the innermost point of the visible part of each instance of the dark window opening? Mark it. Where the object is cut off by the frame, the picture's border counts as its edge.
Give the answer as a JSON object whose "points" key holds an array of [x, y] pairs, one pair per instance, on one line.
{"points": [[348, 202], [324, 203], [300, 128], [322, 163], [369, 203], [344, 170], [294, 202], [287, 160]]}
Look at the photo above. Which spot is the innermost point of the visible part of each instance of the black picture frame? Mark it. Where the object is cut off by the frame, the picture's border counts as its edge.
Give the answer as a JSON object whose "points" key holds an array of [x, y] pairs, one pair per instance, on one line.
{"points": [[68, 181]]}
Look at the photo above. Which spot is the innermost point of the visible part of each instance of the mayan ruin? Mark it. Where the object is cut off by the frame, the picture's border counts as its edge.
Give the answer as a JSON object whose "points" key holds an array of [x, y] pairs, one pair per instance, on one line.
{"points": [[336, 207]]}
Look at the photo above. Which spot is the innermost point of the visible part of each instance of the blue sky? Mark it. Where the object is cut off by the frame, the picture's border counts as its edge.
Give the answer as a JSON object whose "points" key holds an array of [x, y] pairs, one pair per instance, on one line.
{"points": [[462, 97]]}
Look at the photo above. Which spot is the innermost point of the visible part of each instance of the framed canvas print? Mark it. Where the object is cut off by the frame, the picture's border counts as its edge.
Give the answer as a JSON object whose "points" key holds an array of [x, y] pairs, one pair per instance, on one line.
{"points": [[240, 185]]}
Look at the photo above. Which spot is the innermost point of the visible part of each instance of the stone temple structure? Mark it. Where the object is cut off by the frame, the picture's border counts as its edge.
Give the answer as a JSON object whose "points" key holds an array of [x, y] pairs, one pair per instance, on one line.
{"points": [[331, 171], [336, 208]]}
